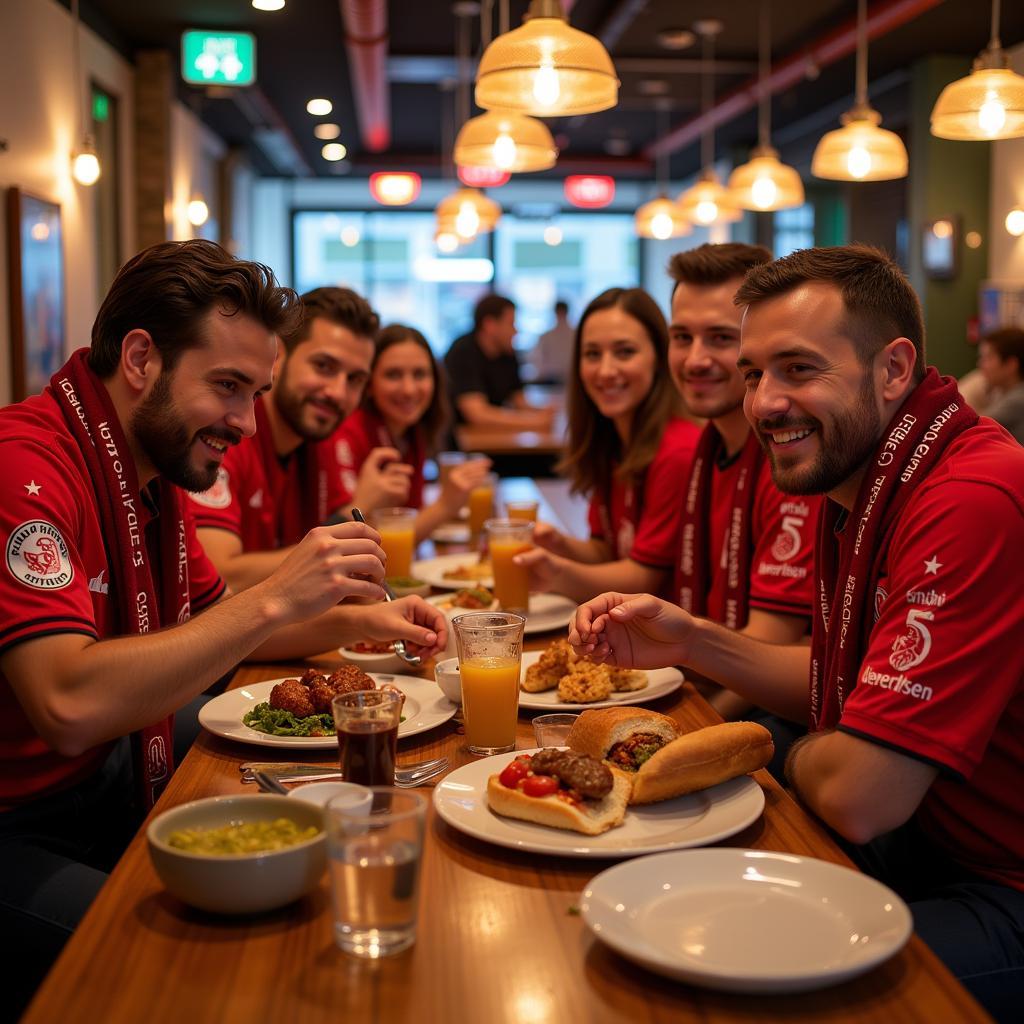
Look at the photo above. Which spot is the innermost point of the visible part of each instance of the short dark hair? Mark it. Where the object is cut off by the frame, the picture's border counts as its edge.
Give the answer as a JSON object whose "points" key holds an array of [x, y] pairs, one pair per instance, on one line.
{"points": [[879, 302], [169, 288], [436, 415], [339, 305], [1008, 343], [490, 307], [716, 263], [561, 306]]}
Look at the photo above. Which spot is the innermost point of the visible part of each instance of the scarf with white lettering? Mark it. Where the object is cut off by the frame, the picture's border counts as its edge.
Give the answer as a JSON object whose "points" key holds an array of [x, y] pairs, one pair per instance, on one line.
{"points": [[849, 566], [299, 513], [90, 415], [695, 575]]}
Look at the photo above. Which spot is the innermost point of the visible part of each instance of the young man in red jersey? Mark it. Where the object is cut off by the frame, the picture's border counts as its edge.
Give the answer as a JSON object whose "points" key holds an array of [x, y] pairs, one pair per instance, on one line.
{"points": [[913, 684], [104, 579]]}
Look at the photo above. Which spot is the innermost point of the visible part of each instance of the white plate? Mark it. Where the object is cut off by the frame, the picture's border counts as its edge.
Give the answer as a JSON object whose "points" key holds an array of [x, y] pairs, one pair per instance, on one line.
{"points": [[547, 611], [660, 681], [451, 533], [746, 920], [694, 820], [432, 570], [425, 707]]}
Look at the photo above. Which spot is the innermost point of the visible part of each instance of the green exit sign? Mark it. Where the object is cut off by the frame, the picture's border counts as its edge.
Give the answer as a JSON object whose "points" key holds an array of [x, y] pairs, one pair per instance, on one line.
{"points": [[218, 58]]}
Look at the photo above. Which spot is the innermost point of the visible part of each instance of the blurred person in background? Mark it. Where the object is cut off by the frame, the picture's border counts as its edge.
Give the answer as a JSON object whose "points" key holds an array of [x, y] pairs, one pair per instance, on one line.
{"points": [[1001, 361], [552, 355], [382, 446]]}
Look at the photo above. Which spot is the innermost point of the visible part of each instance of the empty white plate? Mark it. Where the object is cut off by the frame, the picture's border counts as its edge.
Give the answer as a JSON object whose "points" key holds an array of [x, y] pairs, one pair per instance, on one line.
{"points": [[746, 920]]}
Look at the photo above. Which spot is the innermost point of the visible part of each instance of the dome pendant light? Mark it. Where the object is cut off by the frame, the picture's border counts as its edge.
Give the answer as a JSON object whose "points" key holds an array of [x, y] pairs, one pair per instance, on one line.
{"points": [[764, 183], [505, 141], [709, 201], [546, 68], [861, 150], [988, 103], [661, 218], [470, 212]]}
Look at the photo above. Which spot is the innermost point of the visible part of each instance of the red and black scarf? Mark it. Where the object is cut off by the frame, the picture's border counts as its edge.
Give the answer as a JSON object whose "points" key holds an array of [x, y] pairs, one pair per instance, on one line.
{"points": [[849, 565], [695, 572], [90, 415]]}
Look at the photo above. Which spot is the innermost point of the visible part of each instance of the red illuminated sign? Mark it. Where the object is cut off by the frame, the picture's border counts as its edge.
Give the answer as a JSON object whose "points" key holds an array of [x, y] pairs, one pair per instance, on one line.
{"points": [[483, 177], [394, 188], [589, 191]]}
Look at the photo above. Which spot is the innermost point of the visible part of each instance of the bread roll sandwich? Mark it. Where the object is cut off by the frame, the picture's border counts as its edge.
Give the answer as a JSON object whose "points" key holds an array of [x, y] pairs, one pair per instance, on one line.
{"points": [[662, 764], [560, 789]]}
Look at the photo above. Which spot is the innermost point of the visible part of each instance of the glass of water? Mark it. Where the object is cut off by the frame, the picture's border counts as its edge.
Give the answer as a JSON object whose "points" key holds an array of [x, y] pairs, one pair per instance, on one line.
{"points": [[375, 853]]}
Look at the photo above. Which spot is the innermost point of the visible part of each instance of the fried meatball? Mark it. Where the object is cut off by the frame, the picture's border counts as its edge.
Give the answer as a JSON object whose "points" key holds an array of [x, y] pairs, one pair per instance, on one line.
{"points": [[292, 696], [321, 693], [349, 679], [310, 676]]}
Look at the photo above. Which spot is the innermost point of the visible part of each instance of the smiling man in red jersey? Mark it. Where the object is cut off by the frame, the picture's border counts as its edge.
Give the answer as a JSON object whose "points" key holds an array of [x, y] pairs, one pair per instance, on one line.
{"points": [[746, 555], [113, 616], [913, 683]]}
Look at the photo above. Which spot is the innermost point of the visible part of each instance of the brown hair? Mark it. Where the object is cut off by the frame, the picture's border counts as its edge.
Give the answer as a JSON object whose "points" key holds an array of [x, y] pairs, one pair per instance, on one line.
{"points": [[491, 306], [715, 264], [593, 450], [879, 302], [339, 305], [169, 288], [1008, 343], [435, 418]]}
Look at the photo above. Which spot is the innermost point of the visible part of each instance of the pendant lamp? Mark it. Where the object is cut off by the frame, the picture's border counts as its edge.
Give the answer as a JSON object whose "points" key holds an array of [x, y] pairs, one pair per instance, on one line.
{"points": [[507, 141], [85, 164], [709, 201], [470, 212], [546, 68], [861, 150], [988, 103], [765, 183], [661, 218]]}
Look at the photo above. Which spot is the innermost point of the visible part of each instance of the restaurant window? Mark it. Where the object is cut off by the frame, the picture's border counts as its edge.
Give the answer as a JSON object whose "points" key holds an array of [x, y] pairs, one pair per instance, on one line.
{"points": [[794, 229]]}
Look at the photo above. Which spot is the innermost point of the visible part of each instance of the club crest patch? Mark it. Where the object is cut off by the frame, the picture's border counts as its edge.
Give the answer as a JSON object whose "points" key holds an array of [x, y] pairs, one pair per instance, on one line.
{"points": [[219, 495], [38, 556]]}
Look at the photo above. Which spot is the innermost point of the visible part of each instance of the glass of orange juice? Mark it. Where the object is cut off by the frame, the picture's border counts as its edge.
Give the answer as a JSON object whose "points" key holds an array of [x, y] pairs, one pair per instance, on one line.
{"points": [[481, 503], [521, 510], [397, 529], [490, 654], [506, 538]]}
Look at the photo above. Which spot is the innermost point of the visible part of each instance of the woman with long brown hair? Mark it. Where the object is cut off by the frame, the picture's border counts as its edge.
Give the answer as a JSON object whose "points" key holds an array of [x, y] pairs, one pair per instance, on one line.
{"points": [[629, 449]]}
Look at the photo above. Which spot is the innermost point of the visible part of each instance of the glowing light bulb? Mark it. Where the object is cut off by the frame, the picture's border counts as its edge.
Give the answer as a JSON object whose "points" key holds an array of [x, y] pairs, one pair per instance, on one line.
{"points": [[447, 242], [858, 162], [706, 212], [504, 151], [197, 212], [546, 88], [467, 221], [86, 168], [764, 192], [553, 235], [992, 115], [662, 226], [1015, 223], [350, 236]]}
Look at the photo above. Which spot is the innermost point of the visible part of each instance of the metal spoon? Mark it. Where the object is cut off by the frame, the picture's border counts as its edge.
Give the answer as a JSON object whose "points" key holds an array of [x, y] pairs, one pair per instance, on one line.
{"points": [[268, 784], [389, 595]]}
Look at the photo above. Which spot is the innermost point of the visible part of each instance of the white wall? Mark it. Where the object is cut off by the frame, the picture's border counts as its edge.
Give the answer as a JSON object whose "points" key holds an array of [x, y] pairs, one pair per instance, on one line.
{"points": [[195, 152], [1006, 253], [41, 125]]}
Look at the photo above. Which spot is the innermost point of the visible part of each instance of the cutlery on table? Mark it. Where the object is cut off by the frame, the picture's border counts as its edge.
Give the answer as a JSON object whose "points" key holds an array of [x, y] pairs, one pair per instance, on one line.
{"points": [[406, 773]]}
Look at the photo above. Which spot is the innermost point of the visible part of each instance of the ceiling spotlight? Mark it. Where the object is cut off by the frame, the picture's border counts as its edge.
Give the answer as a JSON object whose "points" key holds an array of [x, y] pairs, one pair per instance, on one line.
{"points": [[333, 151], [268, 5], [676, 38], [319, 107], [327, 130]]}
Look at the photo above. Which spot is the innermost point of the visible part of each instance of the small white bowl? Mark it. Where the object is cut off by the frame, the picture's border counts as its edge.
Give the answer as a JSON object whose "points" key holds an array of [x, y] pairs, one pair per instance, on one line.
{"points": [[413, 588], [318, 793], [447, 675], [248, 883], [386, 662]]}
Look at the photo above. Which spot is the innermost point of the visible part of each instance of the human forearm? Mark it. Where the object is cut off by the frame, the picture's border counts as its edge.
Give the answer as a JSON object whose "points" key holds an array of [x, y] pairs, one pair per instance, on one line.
{"points": [[482, 413], [337, 627], [582, 581], [589, 551], [245, 570]]}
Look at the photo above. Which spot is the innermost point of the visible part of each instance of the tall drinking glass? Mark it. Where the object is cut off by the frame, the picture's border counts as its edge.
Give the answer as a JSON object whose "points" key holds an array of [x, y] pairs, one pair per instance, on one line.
{"points": [[375, 852], [506, 538], [490, 654], [367, 724], [397, 529], [481, 503], [521, 510]]}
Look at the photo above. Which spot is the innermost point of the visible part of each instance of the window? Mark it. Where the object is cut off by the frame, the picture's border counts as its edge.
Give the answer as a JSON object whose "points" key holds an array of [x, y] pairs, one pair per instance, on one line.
{"points": [[794, 229]]}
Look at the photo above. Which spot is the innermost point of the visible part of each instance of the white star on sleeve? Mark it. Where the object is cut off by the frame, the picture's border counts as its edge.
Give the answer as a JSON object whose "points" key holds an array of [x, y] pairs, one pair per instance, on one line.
{"points": [[932, 566], [32, 487]]}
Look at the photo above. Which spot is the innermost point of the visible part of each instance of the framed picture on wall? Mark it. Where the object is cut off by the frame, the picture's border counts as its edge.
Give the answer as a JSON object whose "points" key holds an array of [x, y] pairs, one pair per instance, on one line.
{"points": [[37, 297], [939, 241]]}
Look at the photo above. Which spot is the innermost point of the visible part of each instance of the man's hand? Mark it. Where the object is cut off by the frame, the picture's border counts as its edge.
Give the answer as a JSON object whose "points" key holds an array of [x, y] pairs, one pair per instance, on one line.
{"points": [[631, 631], [329, 564], [420, 624], [547, 537], [384, 480], [462, 478]]}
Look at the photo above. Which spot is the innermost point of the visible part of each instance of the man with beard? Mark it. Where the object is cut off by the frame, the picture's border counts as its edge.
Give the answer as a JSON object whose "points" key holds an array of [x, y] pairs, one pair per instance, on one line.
{"points": [[271, 489], [916, 707], [746, 555], [105, 581]]}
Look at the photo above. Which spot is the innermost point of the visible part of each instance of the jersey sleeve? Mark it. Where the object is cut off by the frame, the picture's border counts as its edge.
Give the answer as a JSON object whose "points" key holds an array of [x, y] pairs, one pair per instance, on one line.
{"points": [[945, 655], [205, 585], [44, 586], [222, 506], [784, 530], [657, 533]]}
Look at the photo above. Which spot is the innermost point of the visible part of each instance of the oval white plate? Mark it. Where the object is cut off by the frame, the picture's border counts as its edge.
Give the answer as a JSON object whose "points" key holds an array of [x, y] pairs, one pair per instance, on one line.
{"points": [[694, 820], [660, 681], [425, 707], [432, 571], [746, 920], [547, 611]]}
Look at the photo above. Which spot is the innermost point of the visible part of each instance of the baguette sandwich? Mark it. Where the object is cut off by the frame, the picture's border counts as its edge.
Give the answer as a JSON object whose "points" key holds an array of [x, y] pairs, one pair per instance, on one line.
{"points": [[560, 789], [661, 764]]}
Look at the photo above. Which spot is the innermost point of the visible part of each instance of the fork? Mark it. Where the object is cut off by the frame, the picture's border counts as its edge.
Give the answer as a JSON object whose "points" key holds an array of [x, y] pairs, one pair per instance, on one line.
{"points": [[269, 783], [317, 773], [389, 595]]}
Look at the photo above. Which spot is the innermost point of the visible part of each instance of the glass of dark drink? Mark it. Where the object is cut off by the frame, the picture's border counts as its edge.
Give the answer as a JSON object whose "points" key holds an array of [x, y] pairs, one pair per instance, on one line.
{"points": [[367, 724]]}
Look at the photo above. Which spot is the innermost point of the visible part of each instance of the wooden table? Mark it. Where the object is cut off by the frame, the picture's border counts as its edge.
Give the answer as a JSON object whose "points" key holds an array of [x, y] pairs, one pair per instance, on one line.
{"points": [[503, 442], [497, 940]]}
